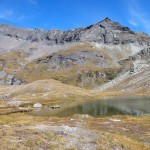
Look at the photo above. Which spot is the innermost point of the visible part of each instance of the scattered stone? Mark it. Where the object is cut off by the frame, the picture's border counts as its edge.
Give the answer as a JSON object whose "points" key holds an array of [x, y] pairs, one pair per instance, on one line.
{"points": [[15, 103], [92, 92], [5, 97], [37, 105], [147, 85], [47, 106], [55, 107], [82, 116], [15, 141], [21, 109], [85, 116], [115, 120], [124, 129]]}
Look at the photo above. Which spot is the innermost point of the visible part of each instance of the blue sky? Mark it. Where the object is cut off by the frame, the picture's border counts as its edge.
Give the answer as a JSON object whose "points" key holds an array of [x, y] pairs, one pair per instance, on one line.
{"points": [[68, 14]]}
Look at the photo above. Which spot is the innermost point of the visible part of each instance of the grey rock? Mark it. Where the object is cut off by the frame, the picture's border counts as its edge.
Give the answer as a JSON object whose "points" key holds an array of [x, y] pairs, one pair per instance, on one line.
{"points": [[80, 58], [2, 82], [12, 80], [143, 58], [2, 74], [143, 54], [5, 97], [9, 80], [37, 105], [15, 103], [55, 107]]}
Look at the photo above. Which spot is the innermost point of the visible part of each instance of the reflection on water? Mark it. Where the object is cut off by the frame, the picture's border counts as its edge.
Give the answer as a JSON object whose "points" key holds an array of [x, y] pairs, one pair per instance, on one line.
{"points": [[106, 108]]}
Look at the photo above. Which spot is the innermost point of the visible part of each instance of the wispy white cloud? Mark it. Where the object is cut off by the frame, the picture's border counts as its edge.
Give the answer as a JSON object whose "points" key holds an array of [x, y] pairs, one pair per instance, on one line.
{"points": [[10, 15], [21, 17], [33, 2], [138, 16], [6, 14], [133, 22]]}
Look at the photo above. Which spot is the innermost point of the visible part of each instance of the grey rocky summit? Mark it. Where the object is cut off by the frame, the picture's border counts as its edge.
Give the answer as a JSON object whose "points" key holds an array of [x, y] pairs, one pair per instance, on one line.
{"points": [[105, 31]]}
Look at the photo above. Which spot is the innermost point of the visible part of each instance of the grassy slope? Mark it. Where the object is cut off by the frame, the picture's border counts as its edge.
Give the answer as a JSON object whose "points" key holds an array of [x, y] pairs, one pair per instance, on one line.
{"points": [[11, 61], [34, 71], [29, 132], [51, 91]]}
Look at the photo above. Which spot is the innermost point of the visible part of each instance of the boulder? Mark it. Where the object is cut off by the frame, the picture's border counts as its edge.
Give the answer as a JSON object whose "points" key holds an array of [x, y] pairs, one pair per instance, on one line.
{"points": [[37, 105], [55, 107], [15, 103]]}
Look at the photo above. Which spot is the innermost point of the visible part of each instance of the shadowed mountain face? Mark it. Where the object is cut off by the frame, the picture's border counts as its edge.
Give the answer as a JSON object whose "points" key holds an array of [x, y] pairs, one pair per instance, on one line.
{"points": [[85, 57]]}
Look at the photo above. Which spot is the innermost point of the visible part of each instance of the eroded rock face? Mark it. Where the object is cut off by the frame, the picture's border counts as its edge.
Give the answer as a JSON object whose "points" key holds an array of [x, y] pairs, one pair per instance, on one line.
{"points": [[80, 58], [137, 62], [9, 79], [143, 54]]}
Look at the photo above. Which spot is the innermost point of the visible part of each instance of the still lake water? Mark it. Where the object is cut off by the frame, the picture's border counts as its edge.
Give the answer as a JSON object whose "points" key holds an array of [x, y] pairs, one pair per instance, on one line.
{"points": [[131, 106]]}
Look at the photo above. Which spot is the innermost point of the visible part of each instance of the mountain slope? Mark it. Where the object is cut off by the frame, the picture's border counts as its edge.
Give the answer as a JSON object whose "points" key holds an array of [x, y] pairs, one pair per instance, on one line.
{"points": [[40, 42], [86, 57], [81, 65], [136, 77]]}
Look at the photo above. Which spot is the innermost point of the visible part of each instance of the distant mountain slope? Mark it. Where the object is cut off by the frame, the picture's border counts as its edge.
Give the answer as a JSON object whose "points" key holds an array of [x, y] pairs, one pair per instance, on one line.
{"points": [[81, 65], [86, 57]]}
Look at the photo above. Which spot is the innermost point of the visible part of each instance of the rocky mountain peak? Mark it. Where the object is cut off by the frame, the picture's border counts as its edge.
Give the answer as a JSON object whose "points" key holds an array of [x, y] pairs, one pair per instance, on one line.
{"points": [[109, 24], [107, 19], [4, 25]]}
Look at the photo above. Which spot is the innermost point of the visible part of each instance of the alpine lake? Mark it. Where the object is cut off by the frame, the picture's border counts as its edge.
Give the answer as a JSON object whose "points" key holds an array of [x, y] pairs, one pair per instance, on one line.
{"points": [[98, 108]]}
